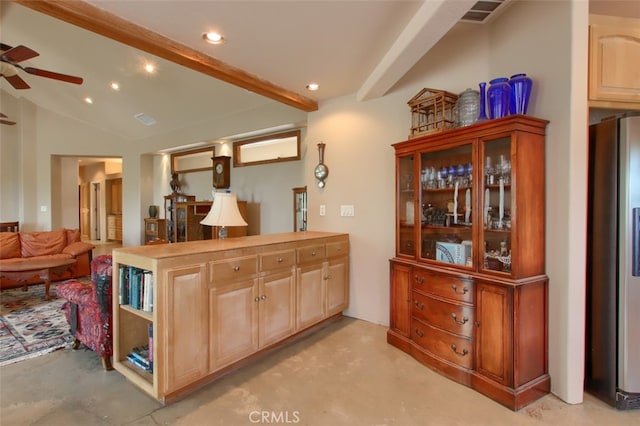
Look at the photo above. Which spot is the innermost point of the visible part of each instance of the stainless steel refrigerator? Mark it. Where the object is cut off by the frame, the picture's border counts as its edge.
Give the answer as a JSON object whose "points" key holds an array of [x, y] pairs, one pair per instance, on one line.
{"points": [[612, 353]]}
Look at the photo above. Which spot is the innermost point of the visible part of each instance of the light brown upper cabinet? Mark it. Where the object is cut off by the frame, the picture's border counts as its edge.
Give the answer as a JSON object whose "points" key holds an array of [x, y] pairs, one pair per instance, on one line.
{"points": [[614, 61]]}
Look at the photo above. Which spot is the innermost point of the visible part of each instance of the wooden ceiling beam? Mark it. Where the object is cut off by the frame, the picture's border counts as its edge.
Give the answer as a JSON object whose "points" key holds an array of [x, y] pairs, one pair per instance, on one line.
{"points": [[91, 18]]}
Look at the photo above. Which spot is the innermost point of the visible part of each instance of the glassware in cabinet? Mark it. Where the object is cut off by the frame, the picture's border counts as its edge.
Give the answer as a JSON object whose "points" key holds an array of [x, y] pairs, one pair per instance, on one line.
{"points": [[406, 209], [446, 205], [497, 204]]}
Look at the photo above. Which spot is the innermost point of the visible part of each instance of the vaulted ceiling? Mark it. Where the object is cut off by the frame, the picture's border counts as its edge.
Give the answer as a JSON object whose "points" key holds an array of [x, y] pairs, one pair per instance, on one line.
{"points": [[273, 49]]}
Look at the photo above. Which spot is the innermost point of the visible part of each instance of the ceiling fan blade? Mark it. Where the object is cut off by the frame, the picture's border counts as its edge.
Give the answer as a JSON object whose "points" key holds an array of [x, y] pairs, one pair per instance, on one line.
{"points": [[17, 82], [19, 54], [4, 115], [10, 123], [54, 75], [4, 47]]}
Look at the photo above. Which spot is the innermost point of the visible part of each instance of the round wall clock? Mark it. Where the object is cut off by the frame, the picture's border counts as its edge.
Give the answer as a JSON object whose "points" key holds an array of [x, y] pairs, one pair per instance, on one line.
{"points": [[221, 172]]}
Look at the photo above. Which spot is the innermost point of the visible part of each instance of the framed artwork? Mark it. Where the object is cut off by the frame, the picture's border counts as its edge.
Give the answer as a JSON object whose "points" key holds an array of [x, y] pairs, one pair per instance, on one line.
{"points": [[221, 172]]}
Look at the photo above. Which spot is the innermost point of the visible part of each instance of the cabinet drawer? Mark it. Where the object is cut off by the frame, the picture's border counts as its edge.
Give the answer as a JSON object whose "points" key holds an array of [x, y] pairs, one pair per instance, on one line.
{"points": [[445, 345], [338, 249], [310, 254], [444, 286], [232, 269], [451, 317], [277, 260]]}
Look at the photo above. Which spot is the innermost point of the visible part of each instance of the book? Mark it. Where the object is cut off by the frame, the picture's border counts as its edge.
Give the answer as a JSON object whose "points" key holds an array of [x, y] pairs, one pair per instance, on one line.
{"points": [[150, 346]]}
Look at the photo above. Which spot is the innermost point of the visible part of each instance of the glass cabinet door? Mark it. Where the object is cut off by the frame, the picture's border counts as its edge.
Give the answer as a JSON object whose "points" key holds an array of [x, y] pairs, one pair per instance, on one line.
{"points": [[406, 214], [497, 204], [446, 182]]}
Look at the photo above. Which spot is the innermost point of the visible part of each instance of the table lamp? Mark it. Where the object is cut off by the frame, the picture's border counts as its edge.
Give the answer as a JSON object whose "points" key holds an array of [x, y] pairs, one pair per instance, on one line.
{"points": [[224, 212]]}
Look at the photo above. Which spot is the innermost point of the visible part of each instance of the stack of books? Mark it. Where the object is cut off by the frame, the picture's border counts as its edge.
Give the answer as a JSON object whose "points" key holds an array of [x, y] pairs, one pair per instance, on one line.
{"points": [[139, 356], [142, 356]]}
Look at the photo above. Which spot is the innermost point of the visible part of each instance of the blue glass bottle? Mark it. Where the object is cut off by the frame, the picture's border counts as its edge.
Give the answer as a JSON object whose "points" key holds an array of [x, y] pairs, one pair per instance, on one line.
{"points": [[482, 115], [499, 95], [520, 93]]}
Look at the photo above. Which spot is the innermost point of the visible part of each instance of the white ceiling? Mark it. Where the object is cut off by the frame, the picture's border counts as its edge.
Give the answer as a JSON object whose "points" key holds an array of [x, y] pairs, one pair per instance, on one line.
{"points": [[360, 47]]}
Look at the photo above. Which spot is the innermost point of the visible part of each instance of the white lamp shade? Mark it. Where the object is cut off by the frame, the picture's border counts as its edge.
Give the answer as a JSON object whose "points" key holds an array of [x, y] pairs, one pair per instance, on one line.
{"points": [[224, 211]]}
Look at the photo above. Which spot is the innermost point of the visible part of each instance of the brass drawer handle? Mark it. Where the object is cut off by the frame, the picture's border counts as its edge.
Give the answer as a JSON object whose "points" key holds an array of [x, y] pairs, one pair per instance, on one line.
{"points": [[455, 289], [454, 348], [419, 279], [419, 305], [236, 268], [420, 333], [455, 318]]}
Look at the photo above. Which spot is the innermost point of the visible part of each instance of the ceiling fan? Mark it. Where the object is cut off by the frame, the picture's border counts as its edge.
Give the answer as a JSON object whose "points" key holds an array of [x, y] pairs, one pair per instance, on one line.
{"points": [[9, 64], [2, 121]]}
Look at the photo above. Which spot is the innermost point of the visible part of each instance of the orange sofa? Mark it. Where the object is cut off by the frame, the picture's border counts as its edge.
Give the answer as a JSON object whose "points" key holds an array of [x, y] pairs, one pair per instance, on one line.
{"points": [[61, 243]]}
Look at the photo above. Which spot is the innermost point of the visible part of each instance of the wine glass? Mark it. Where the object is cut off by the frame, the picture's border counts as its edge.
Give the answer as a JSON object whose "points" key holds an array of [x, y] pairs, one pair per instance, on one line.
{"points": [[489, 171]]}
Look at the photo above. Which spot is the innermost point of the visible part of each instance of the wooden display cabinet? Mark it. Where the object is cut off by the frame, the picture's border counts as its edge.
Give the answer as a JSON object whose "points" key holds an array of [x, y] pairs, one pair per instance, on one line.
{"points": [[218, 303], [154, 229], [468, 283], [176, 219]]}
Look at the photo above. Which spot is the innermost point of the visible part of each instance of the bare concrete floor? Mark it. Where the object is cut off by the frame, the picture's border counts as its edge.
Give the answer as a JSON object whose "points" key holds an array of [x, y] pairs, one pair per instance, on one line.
{"points": [[345, 374]]}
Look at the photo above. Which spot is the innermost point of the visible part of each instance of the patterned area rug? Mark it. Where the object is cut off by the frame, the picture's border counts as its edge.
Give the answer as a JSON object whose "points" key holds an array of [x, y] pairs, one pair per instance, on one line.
{"points": [[29, 325]]}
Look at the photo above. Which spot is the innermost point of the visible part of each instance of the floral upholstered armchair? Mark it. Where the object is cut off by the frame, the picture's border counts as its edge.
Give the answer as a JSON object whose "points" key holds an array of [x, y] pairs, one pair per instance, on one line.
{"points": [[88, 309]]}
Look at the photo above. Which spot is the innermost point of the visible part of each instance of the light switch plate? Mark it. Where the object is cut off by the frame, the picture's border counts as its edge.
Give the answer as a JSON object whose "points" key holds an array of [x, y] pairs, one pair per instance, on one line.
{"points": [[347, 210], [323, 210]]}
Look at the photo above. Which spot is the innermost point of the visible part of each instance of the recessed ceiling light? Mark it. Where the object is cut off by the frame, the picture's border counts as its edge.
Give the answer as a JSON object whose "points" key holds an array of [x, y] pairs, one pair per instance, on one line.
{"points": [[313, 86], [213, 38], [150, 68], [114, 85], [88, 100]]}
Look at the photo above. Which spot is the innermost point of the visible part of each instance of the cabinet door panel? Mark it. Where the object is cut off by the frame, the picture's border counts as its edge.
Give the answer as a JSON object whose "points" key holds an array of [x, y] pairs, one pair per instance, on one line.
{"points": [[494, 331], [400, 320], [337, 286], [277, 303], [232, 322], [311, 295], [185, 348]]}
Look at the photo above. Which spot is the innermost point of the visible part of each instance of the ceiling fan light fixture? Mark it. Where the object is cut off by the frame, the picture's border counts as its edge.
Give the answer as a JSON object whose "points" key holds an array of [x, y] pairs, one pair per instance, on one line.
{"points": [[150, 68], [212, 37], [313, 86], [114, 85], [88, 100]]}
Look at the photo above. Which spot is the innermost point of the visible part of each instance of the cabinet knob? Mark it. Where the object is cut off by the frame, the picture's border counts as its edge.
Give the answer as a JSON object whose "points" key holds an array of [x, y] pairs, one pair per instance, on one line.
{"points": [[419, 305], [280, 260], [455, 289], [455, 318], [263, 297], [420, 333], [454, 348], [257, 299], [313, 253], [236, 268]]}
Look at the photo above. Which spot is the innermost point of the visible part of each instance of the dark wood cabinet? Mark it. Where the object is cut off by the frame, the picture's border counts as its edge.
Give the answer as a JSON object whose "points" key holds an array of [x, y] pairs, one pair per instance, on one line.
{"points": [[468, 285]]}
